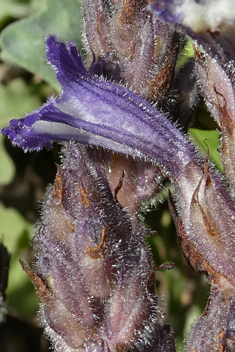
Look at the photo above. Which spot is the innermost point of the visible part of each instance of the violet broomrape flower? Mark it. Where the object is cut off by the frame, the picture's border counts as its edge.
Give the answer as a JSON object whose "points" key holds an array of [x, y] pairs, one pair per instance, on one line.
{"points": [[94, 111]]}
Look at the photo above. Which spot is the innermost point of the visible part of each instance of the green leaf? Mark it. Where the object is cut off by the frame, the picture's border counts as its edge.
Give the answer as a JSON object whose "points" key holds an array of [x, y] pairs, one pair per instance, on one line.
{"points": [[208, 140], [12, 9], [16, 233], [12, 227], [23, 42]]}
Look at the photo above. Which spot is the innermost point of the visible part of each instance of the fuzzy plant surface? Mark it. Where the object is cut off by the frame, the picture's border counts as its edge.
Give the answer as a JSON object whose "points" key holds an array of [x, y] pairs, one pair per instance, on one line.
{"points": [[93, 272]]}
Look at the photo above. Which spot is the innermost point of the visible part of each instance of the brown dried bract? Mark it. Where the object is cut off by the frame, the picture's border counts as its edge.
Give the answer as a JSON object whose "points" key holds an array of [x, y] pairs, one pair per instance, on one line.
{"points": [[162, 81], [98, 251], [119, 186], [220, 337], [193, 257], [84, 198], [58, 186], [211, 230], [130, 10], [41, 287]]}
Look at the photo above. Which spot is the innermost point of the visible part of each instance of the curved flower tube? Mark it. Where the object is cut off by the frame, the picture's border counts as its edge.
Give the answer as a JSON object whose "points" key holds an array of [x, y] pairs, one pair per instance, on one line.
{"points": [[94, 111]]}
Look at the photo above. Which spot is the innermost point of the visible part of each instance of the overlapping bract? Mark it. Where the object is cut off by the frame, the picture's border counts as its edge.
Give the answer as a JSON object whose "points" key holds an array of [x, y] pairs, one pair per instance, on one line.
{"points": [[127, 43], [93, 273]]}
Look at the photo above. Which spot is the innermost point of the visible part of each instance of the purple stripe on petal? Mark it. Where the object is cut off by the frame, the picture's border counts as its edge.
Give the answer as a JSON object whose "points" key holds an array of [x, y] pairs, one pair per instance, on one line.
{"points": [[94, 111]]}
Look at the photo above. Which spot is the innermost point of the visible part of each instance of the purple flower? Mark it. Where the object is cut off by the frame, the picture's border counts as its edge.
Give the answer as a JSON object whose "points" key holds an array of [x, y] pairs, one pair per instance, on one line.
{"points": [[94, 111]]}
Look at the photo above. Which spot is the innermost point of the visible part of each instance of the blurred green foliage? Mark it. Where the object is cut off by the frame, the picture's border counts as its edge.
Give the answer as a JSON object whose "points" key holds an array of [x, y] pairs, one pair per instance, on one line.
{"points": [[22, 42]]}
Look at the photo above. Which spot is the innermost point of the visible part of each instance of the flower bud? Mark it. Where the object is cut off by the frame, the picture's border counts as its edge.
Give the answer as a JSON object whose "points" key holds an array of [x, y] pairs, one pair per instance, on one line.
{"points": [[125, 37], [92, 268]]}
